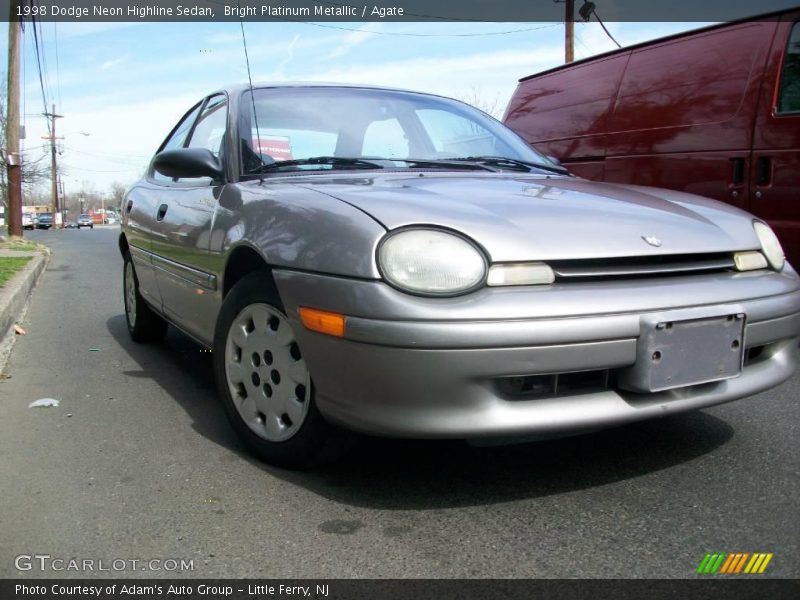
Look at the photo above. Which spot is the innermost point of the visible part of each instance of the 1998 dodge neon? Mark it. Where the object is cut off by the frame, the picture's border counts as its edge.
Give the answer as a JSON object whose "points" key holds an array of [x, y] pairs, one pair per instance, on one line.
{"points": [[402, 264]]}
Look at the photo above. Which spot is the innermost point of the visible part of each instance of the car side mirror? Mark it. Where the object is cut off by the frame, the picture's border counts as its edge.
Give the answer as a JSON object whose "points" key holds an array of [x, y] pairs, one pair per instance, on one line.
{"points": [[188, 162]]}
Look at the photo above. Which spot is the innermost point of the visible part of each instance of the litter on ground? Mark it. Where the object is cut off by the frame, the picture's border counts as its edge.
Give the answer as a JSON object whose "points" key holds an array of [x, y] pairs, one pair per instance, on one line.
{"points": [[43, 403]]}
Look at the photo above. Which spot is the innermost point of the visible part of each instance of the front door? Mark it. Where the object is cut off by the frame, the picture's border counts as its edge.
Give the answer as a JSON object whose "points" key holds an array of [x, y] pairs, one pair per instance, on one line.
{"points": [[181, 231]]}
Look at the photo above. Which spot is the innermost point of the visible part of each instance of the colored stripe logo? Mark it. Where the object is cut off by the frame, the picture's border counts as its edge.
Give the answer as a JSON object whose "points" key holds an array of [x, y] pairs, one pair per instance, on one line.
{"points": [[735, 563]]}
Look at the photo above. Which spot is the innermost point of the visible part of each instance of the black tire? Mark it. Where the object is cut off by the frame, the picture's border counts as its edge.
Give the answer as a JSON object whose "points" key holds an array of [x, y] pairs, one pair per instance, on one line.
{"points": [[147, 326], [316, 441]]}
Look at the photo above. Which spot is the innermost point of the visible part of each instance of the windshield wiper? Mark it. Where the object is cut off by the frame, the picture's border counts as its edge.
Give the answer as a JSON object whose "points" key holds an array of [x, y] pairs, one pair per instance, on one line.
{"points": [[443, 162], [502, 161], [334, 161]]}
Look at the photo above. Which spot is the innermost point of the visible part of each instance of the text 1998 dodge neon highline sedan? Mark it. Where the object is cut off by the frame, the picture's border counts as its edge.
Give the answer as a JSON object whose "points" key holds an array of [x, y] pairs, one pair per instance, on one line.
{"points": [[401, 264]]}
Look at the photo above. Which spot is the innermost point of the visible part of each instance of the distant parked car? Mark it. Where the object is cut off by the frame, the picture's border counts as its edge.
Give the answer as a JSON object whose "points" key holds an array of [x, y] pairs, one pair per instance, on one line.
{"points": [[85, 221], [44, 220], [404, 265], [27, 220]]}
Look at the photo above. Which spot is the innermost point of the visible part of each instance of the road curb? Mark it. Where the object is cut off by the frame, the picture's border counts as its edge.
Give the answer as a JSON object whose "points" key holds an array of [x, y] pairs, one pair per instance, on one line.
{"points": [[15, 294]]}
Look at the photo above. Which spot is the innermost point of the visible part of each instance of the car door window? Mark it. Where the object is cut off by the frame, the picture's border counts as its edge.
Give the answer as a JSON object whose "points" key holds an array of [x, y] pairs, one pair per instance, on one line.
{"points": [[209, 131], [789, 97], [177, 138]]}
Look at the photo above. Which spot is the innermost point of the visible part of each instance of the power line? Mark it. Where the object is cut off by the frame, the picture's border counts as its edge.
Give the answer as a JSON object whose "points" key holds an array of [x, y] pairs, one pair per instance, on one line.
{"points": [[580, 42], [430, 35], [47, 85], [608, 33], [131, 170], [109, 157], [24, 81], [590, 8], [34, 27], [58, 66]]}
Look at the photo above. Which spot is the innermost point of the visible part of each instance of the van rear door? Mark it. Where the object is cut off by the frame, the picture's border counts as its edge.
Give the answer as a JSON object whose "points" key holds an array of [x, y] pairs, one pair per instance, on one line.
{"points": [[775, 164]]}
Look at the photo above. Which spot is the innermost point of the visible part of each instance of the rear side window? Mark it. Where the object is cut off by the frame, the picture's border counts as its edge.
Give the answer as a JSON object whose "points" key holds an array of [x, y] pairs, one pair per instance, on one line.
{"points": [[789, 96]]}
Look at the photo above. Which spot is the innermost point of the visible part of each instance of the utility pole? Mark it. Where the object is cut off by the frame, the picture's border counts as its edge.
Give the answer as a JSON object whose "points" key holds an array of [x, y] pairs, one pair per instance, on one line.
{"points": [[53, 166], [13, 157], [569, 31]]}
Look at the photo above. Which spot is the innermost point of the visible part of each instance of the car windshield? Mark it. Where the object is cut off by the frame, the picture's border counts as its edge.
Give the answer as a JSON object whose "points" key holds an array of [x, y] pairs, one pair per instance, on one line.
{"points": [[84, 217], [319, 128]]}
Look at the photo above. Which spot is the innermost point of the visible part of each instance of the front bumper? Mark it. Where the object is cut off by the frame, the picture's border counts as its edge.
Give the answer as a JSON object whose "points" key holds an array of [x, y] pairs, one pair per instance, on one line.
{"points": [[422, 367]]}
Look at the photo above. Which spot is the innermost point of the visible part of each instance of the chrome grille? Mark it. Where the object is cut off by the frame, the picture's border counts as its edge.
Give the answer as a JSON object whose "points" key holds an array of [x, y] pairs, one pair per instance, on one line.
{"points": [[641, 266]]}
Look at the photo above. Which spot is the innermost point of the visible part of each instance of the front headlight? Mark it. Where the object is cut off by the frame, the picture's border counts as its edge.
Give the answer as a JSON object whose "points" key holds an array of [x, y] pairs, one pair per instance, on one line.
{"points": [[770, 245], [431, 261]]}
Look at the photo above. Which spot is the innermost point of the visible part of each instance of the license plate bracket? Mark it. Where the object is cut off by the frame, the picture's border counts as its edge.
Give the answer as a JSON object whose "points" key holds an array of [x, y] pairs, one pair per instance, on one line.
{"points": [[679, 353]]}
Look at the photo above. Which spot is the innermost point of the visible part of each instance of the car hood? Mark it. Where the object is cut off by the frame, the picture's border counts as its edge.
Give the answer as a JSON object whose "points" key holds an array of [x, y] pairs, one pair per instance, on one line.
{"points": [[532, 217]]}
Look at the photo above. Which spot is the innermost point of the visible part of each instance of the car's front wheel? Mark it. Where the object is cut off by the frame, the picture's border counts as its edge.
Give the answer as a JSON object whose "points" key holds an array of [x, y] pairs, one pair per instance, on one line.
{"points": [[143, 324], [264, 382]]}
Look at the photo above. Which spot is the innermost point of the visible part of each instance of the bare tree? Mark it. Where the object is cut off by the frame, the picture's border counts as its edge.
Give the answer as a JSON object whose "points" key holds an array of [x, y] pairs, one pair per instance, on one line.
{"points": [[491, 106], [116, 195]]}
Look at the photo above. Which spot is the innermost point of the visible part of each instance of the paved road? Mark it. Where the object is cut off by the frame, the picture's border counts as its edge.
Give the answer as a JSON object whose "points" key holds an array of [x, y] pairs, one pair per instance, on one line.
{"points": [[146, 467]]}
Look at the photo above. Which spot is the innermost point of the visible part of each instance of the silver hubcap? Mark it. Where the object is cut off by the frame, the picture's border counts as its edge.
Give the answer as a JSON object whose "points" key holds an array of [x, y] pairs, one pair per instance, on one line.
{"points": [[267, 377], [130, 294]]}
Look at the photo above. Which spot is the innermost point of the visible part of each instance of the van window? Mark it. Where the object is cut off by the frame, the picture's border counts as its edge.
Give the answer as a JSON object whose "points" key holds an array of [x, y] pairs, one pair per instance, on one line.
{"points": [[789, 97]]}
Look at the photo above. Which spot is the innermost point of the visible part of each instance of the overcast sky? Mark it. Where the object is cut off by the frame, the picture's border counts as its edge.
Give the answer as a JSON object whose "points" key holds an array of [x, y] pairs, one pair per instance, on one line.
{"points": [[126, 84]]}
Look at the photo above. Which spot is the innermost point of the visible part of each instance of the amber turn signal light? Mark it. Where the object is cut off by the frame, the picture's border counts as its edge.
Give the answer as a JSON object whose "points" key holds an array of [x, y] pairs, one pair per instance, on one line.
{"points": [[322, 322]]}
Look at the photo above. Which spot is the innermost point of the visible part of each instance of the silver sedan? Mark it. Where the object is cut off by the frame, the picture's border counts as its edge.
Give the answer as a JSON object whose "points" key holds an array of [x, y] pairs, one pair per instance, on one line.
{"points": [[401, 264]]}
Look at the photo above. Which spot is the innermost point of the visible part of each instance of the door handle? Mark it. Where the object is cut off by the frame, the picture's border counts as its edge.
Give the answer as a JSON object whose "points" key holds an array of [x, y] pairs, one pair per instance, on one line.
{"points": [[737, 177], [162, 211], [129, 206], [763, 171]]}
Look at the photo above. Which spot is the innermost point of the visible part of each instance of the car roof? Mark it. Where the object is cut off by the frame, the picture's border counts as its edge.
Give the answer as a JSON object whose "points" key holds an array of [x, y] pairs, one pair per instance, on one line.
{"points": [[238, 88]]}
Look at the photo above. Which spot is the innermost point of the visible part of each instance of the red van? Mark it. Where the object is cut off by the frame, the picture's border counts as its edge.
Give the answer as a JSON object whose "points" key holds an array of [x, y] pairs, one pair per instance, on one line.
{"points": [[715, 112]]}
